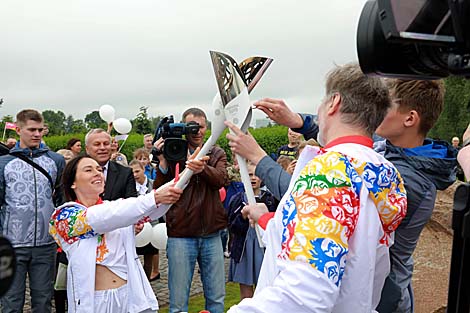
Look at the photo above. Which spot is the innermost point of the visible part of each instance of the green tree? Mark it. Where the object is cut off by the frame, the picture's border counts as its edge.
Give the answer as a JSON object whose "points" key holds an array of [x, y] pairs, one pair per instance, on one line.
{"points": [[93, 120], [68, 124], [141, 123], [7, 118], [456, 114], [78, 127], [154, 122], [55, 121]]}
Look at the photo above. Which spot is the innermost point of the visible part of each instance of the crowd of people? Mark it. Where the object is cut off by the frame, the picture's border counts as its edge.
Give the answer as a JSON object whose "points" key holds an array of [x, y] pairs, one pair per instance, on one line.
{"points": [[340, 214]]}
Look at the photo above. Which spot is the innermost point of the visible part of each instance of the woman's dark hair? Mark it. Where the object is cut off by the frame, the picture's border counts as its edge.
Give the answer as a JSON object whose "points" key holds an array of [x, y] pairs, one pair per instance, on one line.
{"points": [[71, 142], [68, 177]]}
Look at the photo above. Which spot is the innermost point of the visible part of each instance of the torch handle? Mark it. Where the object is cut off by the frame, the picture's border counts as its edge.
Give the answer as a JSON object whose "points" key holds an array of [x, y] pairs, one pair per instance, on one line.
{"points": [[249, 191]]}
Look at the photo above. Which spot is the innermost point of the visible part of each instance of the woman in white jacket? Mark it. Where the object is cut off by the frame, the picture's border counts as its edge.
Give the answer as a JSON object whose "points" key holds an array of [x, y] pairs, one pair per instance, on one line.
{"points": [[104, 272]]}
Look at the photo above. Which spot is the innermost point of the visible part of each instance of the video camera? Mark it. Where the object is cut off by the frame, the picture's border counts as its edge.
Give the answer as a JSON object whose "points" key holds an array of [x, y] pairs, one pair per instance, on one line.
{"points": [[175, 147], [415, 39]]}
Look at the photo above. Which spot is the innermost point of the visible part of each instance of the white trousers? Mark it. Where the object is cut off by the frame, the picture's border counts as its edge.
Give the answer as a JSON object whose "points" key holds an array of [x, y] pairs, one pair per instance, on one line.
{"points": [[111, 300]]}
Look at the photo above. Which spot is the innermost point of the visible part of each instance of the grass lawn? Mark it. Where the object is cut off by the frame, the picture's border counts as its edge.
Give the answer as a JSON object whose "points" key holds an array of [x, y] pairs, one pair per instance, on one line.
{"points": [[196, 303]]}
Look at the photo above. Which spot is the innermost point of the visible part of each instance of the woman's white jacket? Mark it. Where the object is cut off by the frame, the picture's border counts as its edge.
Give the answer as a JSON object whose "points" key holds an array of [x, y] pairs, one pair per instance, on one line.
{"points": [[82, 253]]}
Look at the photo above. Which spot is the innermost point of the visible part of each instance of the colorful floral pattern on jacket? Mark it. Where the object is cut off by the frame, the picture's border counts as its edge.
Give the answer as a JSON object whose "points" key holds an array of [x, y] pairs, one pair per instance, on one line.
{"points": [[322, 210], [70, 224]]}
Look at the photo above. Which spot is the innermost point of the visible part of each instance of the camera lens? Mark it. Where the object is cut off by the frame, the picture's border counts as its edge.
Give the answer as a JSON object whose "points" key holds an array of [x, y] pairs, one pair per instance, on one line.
{"points": [[175, 149]]}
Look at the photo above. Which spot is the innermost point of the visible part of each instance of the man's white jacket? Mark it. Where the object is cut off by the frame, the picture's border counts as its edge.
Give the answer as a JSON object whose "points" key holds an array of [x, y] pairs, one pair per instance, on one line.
{"points": [[327, 244]]}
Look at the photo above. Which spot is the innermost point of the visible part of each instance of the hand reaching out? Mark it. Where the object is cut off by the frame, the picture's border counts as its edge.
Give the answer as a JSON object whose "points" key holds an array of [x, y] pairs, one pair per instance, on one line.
{"points": [[196, 165], [279, 112], [161, 158], [244, 144], [291, 167]]}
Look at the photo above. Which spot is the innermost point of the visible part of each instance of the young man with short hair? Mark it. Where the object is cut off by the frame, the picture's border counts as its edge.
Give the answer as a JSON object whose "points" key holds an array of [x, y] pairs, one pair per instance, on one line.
{"points": [[27, 201], [426, 166]]}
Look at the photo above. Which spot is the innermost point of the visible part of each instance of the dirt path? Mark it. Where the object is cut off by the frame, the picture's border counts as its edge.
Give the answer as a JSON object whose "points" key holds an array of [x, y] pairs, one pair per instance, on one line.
{"points": [[432, 257]]}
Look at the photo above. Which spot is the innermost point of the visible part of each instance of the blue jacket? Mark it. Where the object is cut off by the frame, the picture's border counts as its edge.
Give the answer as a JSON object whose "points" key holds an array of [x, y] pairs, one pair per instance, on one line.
{"points": [[150, 172], [231, 190], [424, 169], [26, 197]]}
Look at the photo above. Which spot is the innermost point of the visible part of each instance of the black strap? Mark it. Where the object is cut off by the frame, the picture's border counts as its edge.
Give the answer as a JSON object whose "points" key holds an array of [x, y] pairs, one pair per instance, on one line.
{"points": [[4, 150]]}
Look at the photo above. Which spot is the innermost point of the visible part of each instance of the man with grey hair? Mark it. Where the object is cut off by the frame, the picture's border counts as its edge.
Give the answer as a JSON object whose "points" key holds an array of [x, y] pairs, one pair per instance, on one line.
{"points": [[148, 138], [327, 245], [119, 180]]}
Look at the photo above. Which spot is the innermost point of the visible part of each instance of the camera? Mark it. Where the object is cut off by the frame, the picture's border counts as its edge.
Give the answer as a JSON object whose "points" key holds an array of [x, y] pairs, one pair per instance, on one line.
{"points": [[175, 147], [415, 39]]}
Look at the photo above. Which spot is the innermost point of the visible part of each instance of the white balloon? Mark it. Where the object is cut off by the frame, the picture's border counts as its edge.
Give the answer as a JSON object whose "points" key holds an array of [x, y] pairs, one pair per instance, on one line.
{"points": [[107, 113], [143, 238], [122, 125], [159, 237]]}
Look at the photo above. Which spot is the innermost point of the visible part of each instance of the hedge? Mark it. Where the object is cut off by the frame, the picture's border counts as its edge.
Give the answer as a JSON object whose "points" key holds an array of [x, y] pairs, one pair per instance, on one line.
{"points": [[269, 138]]}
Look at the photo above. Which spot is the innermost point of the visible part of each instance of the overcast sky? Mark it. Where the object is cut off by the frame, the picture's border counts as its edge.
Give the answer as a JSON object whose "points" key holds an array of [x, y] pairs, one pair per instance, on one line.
{"points": [[75, 56]]}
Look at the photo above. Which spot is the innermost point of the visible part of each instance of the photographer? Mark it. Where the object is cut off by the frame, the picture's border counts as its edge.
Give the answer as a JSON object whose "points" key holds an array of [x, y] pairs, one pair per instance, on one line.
{"points": [[194, 222]]}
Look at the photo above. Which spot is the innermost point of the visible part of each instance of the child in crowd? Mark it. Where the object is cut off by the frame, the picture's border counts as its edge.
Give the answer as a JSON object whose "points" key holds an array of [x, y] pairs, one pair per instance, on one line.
{"points": [[246, 255], [284, 161], [143, 156], [231, 189], [144, 185], [311, 142]]}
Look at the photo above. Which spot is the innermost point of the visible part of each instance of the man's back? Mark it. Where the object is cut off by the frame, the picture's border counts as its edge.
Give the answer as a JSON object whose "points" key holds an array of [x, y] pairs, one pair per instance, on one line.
{"points": [[344, 206]]}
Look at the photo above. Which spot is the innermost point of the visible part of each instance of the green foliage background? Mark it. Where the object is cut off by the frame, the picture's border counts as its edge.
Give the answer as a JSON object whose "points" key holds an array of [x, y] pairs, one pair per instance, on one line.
{"points": [[456, 114], [270, 139]]}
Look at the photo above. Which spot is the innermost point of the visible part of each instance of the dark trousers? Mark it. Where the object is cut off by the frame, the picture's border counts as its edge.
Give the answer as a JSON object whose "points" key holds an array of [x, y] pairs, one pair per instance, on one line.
{"points": [[39, 264]]}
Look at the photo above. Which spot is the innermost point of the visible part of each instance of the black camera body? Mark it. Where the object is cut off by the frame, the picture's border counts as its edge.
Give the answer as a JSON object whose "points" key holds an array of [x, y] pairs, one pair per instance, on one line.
{"points": [[175, 148], [415, 39]]}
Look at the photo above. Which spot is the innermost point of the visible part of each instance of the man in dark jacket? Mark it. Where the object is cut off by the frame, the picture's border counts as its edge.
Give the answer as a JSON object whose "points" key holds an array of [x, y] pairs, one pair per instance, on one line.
{"points": [[194, 223], [27, 201]]}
